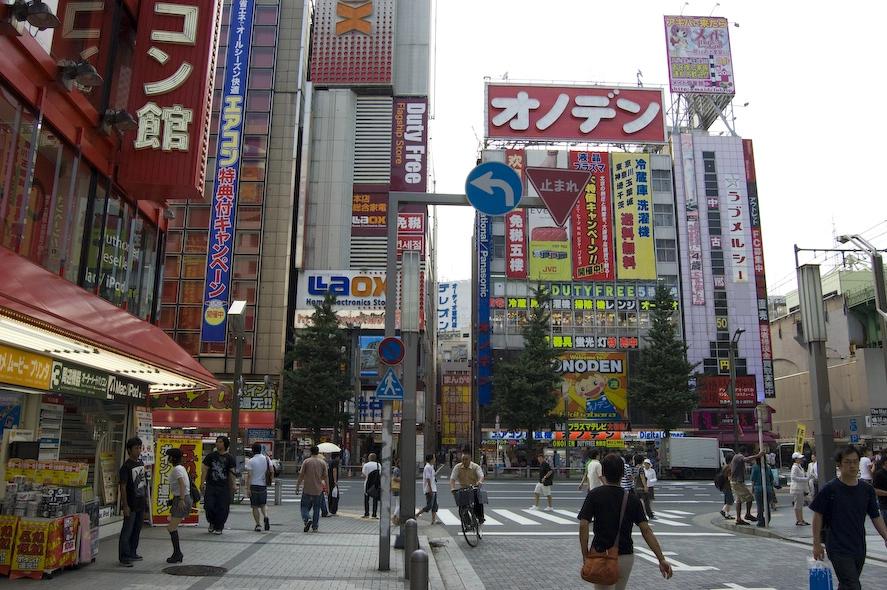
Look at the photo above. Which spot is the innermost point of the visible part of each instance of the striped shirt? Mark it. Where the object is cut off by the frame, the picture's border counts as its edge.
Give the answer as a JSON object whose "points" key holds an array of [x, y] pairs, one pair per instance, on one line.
{"points": [[627, 476]]}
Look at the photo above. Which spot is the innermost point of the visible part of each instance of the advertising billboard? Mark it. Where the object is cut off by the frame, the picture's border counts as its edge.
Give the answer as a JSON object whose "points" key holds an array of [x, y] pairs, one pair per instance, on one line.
{"points": [[484, 241], [574, 113], [635, 252], [453, 306], [516, 225], [409, 144], [353, 42], [354, 290], [699, 60], [596, 383], [455, 427], [220, 256], [170, 96], [592, 228]]}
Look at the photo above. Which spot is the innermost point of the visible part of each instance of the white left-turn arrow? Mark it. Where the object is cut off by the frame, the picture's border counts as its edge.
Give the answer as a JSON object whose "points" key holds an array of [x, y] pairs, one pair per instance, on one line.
{"points": [[487, 183]]}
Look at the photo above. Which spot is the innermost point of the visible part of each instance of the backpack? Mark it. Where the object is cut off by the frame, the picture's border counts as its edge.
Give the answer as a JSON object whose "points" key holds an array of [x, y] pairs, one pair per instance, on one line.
{"points": [[195, 493], [720, 480]]}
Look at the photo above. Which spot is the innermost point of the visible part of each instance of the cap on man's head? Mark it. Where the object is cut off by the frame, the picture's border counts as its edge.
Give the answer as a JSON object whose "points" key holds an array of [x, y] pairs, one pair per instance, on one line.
{"points": [[648, 461], [797, 456]]}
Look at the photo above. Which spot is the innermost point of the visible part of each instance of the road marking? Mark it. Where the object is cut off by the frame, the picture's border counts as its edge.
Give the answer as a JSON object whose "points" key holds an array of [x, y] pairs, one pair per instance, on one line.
{"points": [[731, 586], [568, 514], [573, 534], [551, 517], [516, 517], [450, 518], [676, 565], [678, 512]]}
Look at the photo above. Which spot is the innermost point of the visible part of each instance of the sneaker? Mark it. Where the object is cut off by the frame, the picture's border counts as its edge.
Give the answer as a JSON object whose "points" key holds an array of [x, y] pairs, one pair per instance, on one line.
{"points": [[365, 516], [315, 531], [126, 564], [533, 508], [724, 514], [307, 526], [549, 509], [751, 518], [136, 558], [267, 524], [210, 529], [217, 532], [730, 517], [258, 529]]}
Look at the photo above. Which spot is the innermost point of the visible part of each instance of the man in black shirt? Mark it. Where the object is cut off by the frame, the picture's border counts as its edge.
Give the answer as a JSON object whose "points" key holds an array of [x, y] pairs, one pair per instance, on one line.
{"points": [[134, 500], [879, 480], [219, 483], [543, 488]]}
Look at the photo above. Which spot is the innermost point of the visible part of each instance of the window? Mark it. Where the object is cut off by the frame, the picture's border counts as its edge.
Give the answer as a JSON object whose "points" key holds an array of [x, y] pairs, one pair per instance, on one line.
{"points": [[666, 251], [662, 181], [663, 214]]}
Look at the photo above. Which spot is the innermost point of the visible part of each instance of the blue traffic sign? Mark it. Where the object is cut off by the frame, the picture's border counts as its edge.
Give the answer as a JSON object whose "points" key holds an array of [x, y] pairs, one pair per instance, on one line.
{"points": [[852, 424], [854, 438], [494, 188], [389, 387], [391, 351]]}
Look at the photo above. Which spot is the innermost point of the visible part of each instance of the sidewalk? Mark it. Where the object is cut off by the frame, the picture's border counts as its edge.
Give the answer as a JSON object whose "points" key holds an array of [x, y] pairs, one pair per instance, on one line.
{"points": [[782, 526], [343, 555]]}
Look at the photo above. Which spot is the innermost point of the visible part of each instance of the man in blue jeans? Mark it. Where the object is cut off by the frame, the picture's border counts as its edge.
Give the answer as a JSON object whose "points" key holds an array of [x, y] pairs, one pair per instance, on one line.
{"points": [[134, 500], [313, 474], [843, 504]]}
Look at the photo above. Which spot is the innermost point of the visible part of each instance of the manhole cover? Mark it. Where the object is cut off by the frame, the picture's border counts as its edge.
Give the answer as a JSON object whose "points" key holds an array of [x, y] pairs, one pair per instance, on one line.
{"points": [[195, 570]]}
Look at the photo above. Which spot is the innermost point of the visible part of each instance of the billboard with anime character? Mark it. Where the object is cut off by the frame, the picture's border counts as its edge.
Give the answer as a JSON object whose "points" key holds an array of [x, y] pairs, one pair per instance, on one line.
{"points": [[596, 383]]}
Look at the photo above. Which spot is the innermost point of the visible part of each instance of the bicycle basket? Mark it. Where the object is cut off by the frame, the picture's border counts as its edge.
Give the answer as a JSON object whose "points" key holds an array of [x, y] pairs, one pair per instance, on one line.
{"points": [[463, 496]]}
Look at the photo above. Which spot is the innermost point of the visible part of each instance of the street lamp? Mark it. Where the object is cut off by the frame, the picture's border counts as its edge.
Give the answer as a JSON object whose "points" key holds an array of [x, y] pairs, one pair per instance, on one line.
{"points": [[567, 433], [761, 417], [236, 313], [732, 360], [878, 276]]}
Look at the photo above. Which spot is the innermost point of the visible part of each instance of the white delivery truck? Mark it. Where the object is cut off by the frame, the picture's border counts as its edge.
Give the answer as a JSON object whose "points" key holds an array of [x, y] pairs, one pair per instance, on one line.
{"points": [[689, 457]]}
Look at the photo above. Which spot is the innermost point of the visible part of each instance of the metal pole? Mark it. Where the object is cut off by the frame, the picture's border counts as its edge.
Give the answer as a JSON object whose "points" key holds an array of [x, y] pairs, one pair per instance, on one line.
{"points": [[237, 328], [880, 299], [419, 568], [566, 436], [410, 544], [732, 360], [760, 412]]}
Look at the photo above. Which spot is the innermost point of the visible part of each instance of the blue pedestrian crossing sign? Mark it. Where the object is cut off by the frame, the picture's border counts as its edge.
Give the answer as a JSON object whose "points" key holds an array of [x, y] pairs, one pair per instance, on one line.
{"points": [[494, 188], [389, 388]]}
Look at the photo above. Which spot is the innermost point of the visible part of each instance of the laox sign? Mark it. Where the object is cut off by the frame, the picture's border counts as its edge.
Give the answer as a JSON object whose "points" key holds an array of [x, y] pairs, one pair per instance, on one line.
{"points": [[339, 285]]}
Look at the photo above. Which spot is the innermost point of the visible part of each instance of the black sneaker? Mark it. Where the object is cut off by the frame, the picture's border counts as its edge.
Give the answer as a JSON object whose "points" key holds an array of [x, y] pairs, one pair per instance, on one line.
{"points": [[136, 558], [307, 526], [267, 524], [751, 518], [126, 564]]}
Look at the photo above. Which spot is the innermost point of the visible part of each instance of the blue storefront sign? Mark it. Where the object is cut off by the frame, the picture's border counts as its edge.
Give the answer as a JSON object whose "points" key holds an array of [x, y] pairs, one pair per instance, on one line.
{"points": [[220, 255], [484, 234]]}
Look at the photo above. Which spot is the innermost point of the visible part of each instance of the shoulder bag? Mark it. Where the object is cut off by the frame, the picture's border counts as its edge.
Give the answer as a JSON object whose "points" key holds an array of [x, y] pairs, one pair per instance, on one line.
{"points": [[375, 489], [269, 473], [603, 567]]}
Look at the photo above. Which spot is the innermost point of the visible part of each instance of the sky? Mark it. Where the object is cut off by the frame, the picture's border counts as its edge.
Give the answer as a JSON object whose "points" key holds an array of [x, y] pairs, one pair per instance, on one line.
{"points": [[808, 72]]}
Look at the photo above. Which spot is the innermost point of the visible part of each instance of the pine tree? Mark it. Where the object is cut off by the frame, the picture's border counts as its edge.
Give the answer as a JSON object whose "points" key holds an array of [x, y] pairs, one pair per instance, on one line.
{"points": [[662, 382], [524, 389], [315, 383]]}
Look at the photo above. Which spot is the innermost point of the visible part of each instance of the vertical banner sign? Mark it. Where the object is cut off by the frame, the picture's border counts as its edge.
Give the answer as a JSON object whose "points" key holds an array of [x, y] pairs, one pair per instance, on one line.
{"points": [[484, 232], [694, 231], [409, 146], [192, 448], [757, 244], [799, 441], [221, 230], [592, 225], [516, 226], [635, 255], [737, 227], [456, 413]]}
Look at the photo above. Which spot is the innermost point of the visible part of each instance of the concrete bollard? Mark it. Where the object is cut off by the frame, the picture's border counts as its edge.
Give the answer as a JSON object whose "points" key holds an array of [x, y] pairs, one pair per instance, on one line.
{"points": [[410, 544], [278, 490], [419, 567]]}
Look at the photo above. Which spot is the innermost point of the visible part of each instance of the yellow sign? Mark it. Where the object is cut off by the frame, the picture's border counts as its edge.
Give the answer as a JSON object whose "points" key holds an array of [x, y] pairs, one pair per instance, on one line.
{"points": [[799, 444], [27, 369], [192, 449], [633, 207]]}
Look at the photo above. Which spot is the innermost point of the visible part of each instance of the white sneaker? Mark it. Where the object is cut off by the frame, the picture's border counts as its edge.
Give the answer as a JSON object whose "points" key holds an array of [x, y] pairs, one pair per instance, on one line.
{"points": [[534, 508], [549, 509]]}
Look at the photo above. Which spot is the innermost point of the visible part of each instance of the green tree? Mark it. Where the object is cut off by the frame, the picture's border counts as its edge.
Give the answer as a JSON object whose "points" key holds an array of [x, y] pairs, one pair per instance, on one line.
{"points": [[315, 382], [524, 388], [662, 384]]}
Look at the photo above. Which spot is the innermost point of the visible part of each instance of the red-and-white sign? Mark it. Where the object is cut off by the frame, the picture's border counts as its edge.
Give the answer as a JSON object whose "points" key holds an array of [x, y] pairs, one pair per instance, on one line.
{"points": [[559, 189], [170, 97], [516, 225], [569, 113]]}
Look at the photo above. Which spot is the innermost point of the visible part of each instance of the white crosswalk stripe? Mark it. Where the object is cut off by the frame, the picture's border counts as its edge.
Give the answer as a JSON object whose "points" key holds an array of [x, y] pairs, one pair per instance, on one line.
{"points": [[670, 518], [514, 516], [551, 517]]}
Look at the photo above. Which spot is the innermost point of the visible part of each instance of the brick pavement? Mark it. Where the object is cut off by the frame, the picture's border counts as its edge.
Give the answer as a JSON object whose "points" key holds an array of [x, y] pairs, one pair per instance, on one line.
{"points": [[343, 555]]}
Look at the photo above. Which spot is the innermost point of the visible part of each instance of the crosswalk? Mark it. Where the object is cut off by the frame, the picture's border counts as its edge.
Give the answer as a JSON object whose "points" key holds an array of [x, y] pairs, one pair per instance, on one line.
{"points": [[503, 517]]}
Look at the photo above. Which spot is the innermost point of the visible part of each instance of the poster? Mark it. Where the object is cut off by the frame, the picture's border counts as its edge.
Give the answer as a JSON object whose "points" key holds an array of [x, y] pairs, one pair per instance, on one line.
{"points": [[592, 225], [10, 410], [191, 447], [632, 203], [456, 411], [29, 551], [596, 383], [8, 525], [108, 461]]}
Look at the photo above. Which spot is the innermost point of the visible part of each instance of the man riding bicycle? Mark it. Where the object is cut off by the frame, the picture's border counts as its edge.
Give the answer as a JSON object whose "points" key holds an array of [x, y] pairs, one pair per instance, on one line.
{"points": [[468, 473]]}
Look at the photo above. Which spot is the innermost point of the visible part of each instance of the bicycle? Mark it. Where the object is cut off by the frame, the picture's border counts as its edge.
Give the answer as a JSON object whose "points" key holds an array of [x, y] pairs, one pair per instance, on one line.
{"points": [[470, 526]]}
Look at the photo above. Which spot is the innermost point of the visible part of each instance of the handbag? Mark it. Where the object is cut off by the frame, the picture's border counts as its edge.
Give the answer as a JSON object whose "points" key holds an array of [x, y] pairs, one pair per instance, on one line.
{"points": [[268, 473], [603, 567], [195, 493], [482, 497]]}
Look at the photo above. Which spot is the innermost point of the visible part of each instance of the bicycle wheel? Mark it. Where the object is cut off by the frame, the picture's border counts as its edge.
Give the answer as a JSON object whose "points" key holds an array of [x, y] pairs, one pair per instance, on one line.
{"points": [[470, 527]]}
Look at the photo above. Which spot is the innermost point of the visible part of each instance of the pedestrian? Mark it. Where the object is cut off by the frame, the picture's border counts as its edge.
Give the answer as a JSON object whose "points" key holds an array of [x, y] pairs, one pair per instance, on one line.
{"points": [[346, 462], [842, 504], [372, 485], [879, 480], [134, 499], [798, 489], [813, 477], [593, 471], [395, 492], [314, 475], [737, 484], [627, 482], [757, 475], [180, 506], [219, 484], [723, 484], [429, 488], [543, 487], [650, 480], [603, 506], [256, 469], [332, 476], [866, 467], [468, 473]]}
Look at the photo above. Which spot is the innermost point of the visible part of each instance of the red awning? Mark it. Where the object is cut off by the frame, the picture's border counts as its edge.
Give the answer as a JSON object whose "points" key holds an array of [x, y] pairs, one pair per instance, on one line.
{"points": [[217, 419], [40, 298]]}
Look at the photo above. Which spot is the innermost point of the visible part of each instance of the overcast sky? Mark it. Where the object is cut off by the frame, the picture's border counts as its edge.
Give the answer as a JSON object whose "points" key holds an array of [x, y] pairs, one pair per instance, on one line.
{"points": [[808, 71]]}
